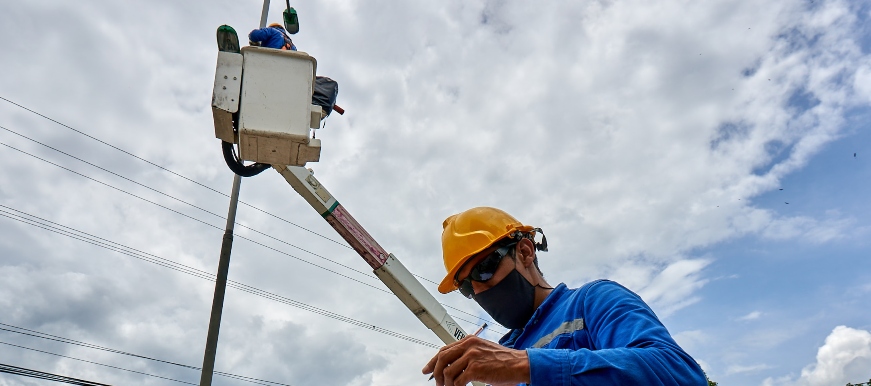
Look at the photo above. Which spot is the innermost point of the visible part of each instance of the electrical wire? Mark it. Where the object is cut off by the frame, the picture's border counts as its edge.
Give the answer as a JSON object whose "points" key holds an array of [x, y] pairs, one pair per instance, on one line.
{"points": [[182, 176], [211, 189], [168, 170], [25, 372], [186, 215], [73, 233], [42, 335], [212, 225], [120, 248], [174, 198], [182, 201], [116, 247], [101, 364]]}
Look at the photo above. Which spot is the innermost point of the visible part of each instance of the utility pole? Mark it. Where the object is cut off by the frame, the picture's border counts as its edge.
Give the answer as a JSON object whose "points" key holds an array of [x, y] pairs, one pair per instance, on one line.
{"points": [[220, 288], [223, 267]]}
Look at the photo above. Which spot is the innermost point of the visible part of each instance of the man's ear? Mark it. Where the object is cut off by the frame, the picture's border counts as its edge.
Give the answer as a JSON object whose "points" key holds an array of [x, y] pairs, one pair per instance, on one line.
{"points": [[525, 252]]}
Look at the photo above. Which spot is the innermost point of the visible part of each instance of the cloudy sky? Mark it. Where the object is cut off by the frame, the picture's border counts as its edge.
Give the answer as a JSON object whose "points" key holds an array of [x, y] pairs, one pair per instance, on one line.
{"points": [[712, 156]]}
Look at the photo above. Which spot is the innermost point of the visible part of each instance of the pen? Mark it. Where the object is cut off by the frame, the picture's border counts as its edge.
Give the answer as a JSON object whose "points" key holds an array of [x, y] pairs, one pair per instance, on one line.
{"points": [[480, 330]]}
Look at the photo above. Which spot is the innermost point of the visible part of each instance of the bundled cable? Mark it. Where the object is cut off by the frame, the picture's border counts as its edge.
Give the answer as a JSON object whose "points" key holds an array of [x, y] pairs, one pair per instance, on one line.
{"points": [[42, 335], [25, 372]]}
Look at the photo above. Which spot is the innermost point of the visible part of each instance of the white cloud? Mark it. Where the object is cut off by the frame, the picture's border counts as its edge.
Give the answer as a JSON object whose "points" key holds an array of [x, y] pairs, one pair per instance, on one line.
{"points": [[809, 229], [673, 287], [692, 339], [751, 316], [862, 82], [738, 369], [845, 357]]}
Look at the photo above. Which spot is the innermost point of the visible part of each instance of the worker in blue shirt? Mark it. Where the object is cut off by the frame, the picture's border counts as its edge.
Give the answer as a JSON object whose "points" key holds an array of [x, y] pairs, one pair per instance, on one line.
{"points": [[273, 36], [598, 334]]}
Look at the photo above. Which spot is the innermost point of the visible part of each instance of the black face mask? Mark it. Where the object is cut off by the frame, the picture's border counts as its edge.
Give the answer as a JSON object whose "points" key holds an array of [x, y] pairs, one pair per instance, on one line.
{"points": [[511, 302]]}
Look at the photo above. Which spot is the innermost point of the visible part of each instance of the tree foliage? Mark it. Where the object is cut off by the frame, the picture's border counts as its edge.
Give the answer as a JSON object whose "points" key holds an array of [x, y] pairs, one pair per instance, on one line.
{"points": [[712, 383]]}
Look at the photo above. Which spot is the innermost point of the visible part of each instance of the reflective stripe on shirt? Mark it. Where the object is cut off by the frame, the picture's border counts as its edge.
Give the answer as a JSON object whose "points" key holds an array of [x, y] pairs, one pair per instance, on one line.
{"points": [[565, 328]]}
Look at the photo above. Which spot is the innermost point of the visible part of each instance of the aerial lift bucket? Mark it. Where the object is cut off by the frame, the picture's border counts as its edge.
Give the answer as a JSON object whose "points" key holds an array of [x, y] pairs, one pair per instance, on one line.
{"points": [[261, 101]]}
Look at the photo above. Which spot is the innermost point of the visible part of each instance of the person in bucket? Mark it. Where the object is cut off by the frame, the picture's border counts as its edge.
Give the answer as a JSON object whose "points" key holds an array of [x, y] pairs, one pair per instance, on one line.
{"points": [[273, 36]]}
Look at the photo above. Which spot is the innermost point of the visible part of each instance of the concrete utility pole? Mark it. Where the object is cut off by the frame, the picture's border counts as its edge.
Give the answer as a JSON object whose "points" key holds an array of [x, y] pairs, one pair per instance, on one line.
{"points": [[223, 267], [220, 288]]}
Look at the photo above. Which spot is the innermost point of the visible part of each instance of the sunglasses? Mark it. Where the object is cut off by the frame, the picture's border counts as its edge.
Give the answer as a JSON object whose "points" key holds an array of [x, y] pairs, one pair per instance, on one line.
{"points": [[483, 271]]}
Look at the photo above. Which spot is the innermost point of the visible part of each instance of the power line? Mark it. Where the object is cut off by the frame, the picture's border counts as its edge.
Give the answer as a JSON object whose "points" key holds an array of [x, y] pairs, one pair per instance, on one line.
{"points": [[113, 246], [120, 248], [42, 335], [179, 175], [168, 170], [182, 176], [183, 201], [188, 216], [214, 226], [25, 372], [198, 207], [213, 190], [96, 363], [61, 339], [116, 247]]}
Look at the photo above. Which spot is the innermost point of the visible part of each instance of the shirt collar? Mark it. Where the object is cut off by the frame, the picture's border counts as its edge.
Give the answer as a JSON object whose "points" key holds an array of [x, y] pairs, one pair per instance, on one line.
{"points": [[551, 299]]}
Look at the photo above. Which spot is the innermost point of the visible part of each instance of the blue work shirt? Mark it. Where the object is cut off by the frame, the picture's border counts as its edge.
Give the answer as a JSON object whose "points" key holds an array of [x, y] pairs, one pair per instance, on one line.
{"points": [[270, 37], [601, 334]]}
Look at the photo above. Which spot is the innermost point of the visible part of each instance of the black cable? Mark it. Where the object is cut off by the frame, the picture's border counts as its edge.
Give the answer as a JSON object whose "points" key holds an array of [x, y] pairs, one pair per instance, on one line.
{"points": [[179, 175], [190, 217], [209, 212], [175, 198], [101, 364], [186, 178], [141, 255], [207, 187], [25, 372], [230, 283], [236, 165], [42, 335], [168, 170]]}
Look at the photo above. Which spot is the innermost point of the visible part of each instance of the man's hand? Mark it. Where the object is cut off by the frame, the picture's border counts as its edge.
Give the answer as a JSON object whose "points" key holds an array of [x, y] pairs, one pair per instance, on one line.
{"points": [[476, 359]]}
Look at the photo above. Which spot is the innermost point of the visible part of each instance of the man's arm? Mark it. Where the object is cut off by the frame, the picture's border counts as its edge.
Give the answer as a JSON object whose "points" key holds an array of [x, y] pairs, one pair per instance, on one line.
{"points": [[632, 347], [268, 36]]}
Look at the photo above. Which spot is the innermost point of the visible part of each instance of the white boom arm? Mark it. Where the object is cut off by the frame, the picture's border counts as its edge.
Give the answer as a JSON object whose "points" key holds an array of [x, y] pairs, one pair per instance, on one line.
{"points": [[386, 266]]}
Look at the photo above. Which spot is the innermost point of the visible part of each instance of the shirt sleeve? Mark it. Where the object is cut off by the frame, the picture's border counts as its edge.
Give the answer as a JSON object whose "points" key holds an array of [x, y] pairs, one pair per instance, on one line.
{"points": [[259, 35], [269, 37], [631, 347]]}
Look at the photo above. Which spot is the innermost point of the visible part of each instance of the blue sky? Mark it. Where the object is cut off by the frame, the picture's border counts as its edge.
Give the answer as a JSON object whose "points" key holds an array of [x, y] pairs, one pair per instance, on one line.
{"points": [[648, 139], [794, 285]]}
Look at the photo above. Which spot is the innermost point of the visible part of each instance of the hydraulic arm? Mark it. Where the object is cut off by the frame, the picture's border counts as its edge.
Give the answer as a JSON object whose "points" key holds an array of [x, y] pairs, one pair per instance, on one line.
{"points": [[386, 266]]}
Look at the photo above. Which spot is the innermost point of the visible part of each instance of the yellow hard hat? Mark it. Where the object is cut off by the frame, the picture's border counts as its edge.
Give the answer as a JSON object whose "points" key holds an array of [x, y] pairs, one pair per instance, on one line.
{"points": [[471, 232]]}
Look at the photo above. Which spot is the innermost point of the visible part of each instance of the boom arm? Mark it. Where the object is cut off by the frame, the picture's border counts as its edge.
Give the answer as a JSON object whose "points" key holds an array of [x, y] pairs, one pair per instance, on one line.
{"points": [[386, 266]]}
